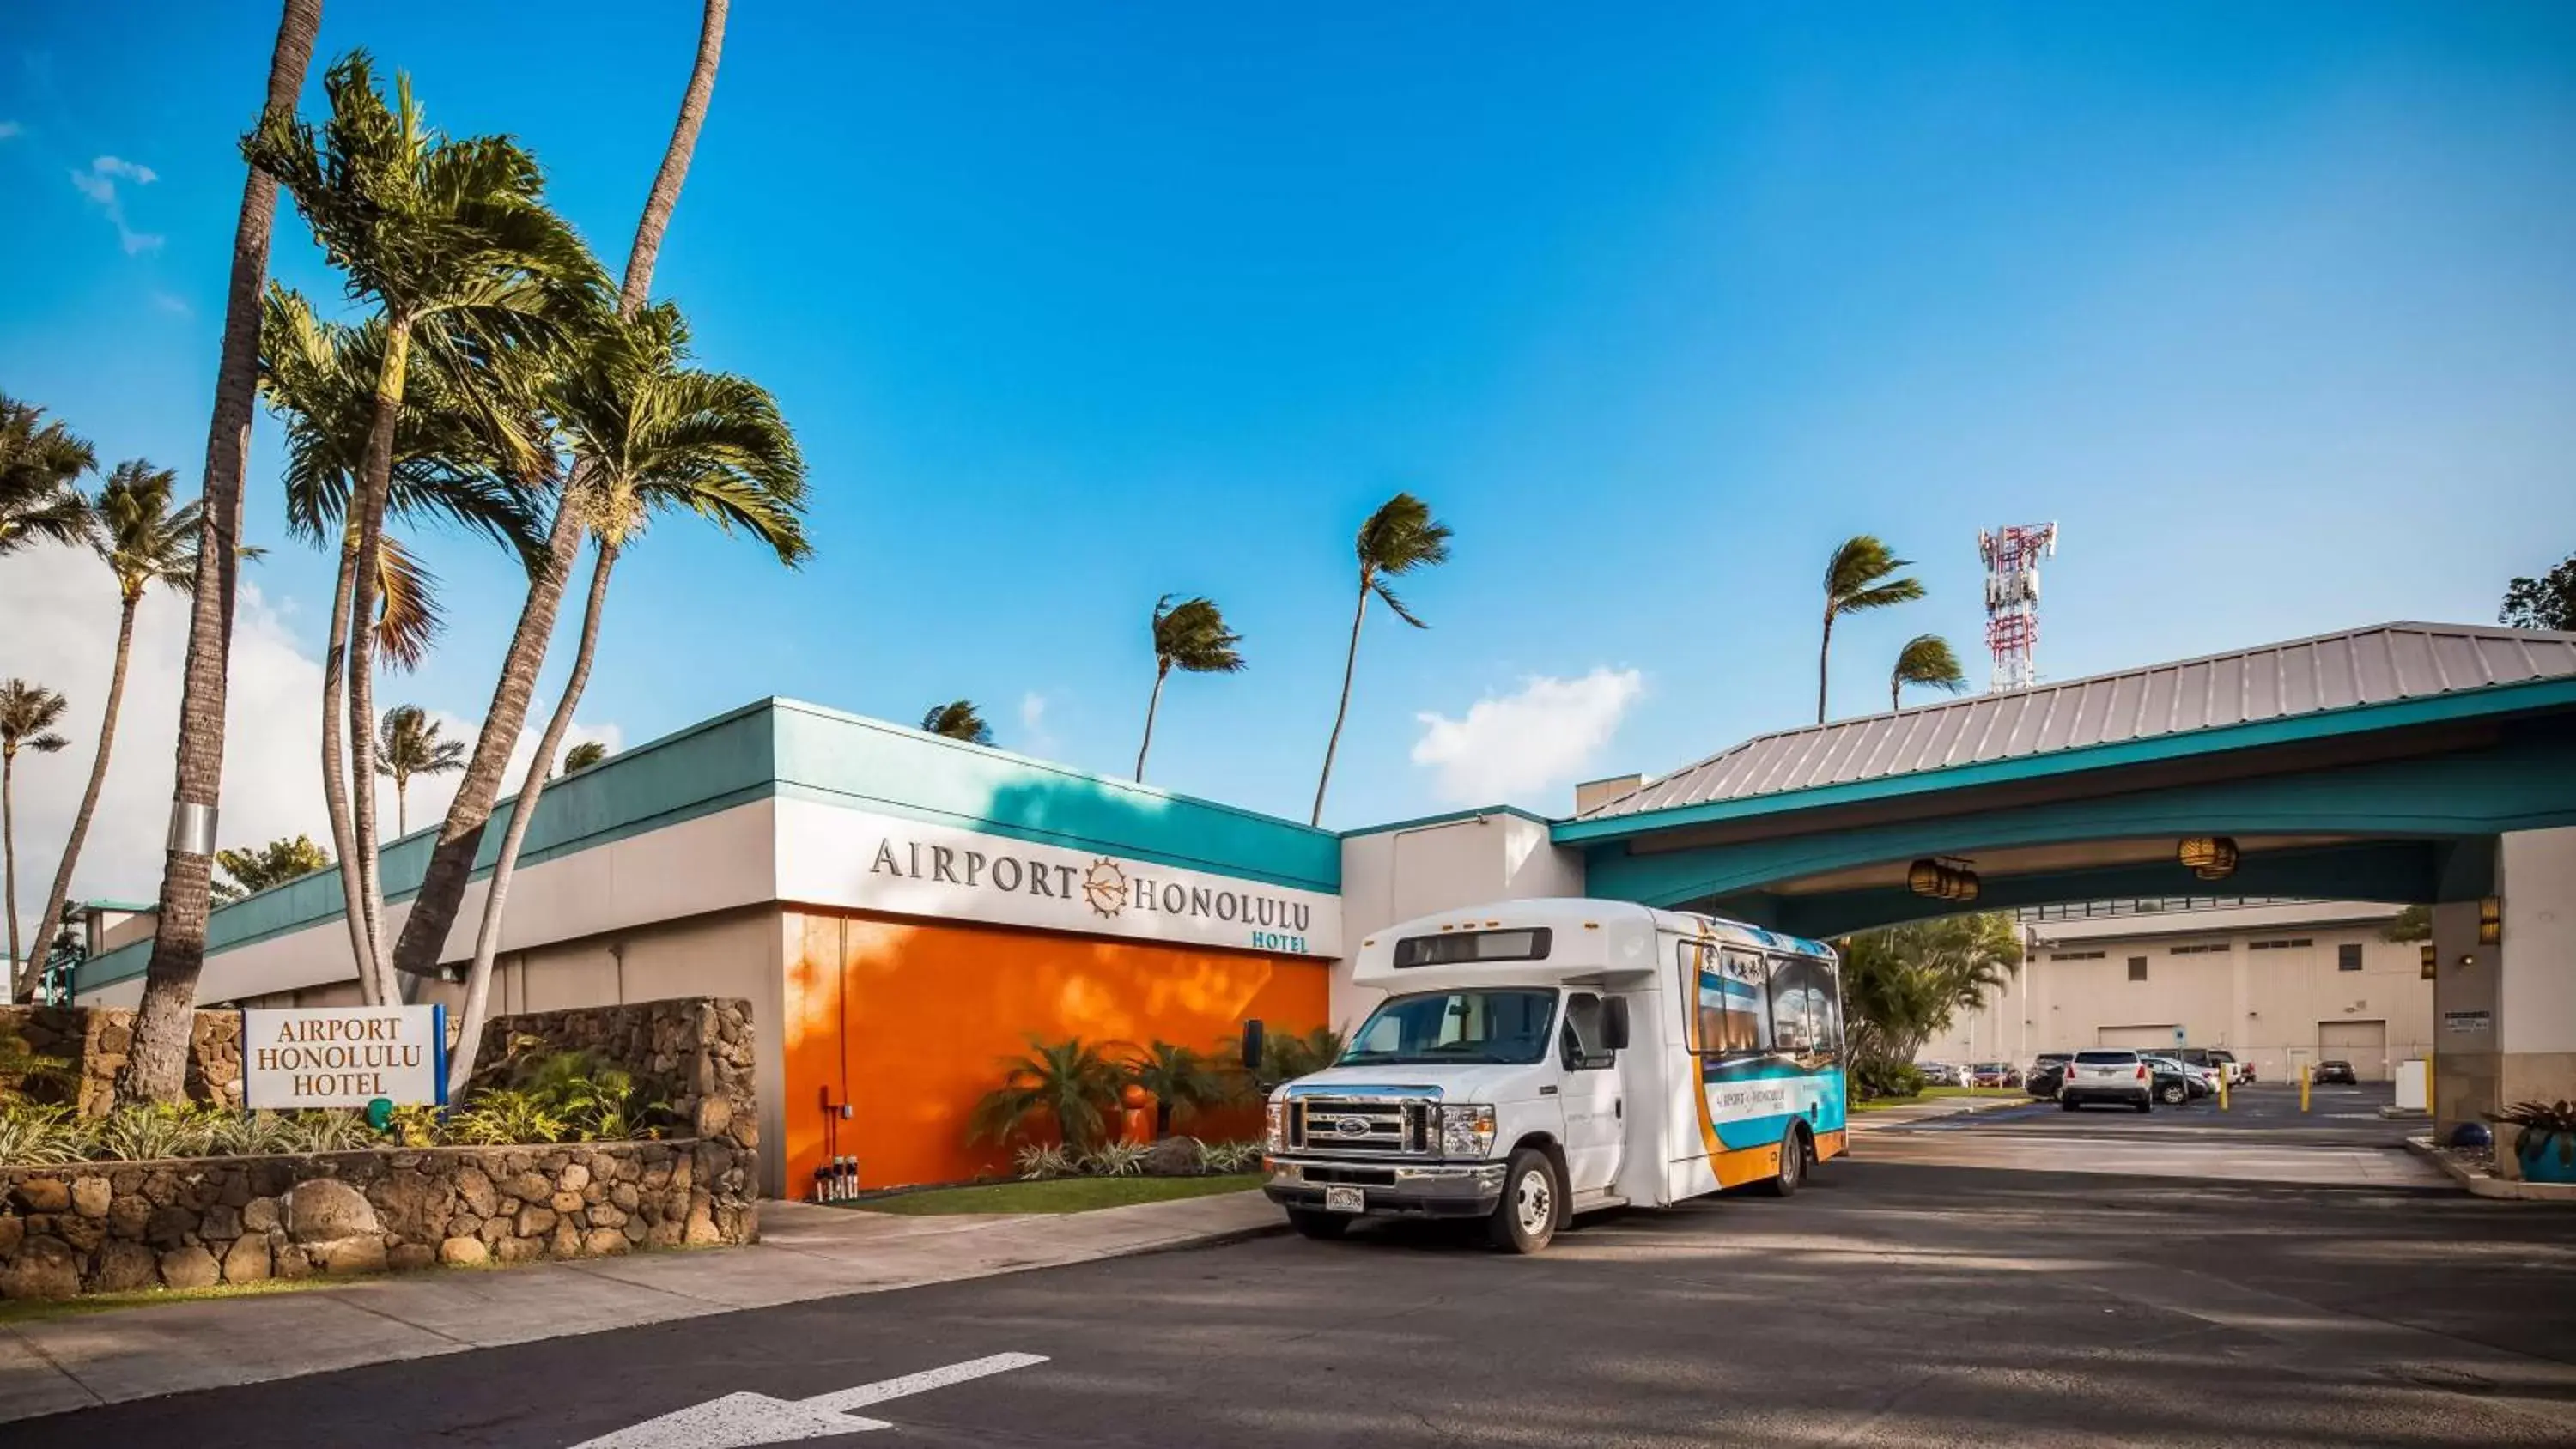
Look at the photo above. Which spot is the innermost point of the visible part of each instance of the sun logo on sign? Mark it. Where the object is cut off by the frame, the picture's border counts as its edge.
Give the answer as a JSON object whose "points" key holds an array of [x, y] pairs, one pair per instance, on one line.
{"points": [[1105, 886]]}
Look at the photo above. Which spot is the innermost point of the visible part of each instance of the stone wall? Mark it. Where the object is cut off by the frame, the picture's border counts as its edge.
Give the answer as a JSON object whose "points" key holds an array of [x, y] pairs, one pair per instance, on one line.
{"points": [[95, 1040], [693, 1052], [105, 1227]]}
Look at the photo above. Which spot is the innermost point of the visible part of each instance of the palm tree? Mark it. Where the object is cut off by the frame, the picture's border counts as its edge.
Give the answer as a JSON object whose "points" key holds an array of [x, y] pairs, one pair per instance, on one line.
{"points": [[659, 436], [454, 245], [1856, 578], [584, 755], [1189, 636], [957, 720], [1182, 1081], [258, 868], [38, 503], [1071, 1082], [408, 744], [143, 541], [28, 714], [1925, 659], [1397, 539], [460, 837], [156, 1067]]}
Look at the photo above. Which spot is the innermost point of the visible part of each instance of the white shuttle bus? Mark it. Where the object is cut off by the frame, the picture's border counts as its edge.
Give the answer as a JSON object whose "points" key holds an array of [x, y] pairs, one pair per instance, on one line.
{"points": [[1540, 1058]]}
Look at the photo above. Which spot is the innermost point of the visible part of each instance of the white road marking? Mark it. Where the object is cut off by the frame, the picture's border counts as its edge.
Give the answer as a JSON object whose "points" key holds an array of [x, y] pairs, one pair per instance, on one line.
{"points": [[738, 1421]]}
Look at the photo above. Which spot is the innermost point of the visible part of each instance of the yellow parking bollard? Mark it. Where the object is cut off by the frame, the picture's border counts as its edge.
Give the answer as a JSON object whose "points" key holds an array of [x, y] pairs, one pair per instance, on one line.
{"points": [[2303, 1086], [2222, 1089]]}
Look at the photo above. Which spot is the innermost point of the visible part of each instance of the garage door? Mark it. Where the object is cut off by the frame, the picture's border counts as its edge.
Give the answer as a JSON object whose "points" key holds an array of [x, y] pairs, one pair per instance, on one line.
{"points": [[2140, 1038], [2362, 1043]]}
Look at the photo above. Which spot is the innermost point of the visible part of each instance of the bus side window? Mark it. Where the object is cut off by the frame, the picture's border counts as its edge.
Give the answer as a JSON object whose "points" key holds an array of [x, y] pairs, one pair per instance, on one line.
{"points": [[1582, 1045]]}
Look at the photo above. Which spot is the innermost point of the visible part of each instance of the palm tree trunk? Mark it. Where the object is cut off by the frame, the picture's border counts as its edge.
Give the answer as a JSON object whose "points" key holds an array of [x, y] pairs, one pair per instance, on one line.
{"points": [[1824, 651], [1895, 695], [402, 805], [1350, 663], [9, 848], [1151, 705], [53, 916], [451, 861], [367, 505], [156, 1068], [335, 776], [532, 788]]}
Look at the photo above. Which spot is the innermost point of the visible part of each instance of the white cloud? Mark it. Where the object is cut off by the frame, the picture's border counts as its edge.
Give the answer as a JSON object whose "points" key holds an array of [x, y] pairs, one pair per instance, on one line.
{"points": [[1519, 746], [61, 609], [1035, 738], [172, 302], [9, 129], [98, 183]]}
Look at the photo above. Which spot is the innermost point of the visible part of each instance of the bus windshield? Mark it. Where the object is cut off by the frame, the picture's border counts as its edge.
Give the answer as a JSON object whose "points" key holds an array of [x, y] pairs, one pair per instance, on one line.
{"points": [[1455, 1026]]}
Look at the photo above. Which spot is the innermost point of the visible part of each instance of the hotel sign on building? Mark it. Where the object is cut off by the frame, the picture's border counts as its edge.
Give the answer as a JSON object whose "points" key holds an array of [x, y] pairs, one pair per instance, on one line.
{"points": [[913, 868]]}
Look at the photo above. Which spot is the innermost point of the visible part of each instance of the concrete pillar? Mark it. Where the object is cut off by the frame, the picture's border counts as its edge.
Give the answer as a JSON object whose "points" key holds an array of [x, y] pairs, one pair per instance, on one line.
{"points": [[2505, 1014]]}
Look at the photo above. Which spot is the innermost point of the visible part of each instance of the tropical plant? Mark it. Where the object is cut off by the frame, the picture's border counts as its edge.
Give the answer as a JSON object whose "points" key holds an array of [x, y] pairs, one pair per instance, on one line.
{"points": [[584, 755], [460, 837], [1039, 1160], [1398, 538], [1289, 1055], [1070, 1084], [257, 868], [1230, 1157], [38, 467], [2559, 1116], [500, 1116], [142, 1132], [1902, 985], [1183, 1082], [34, 1135], [156, 1068], [249, 1134], [1115, 1159], [1189, 636], [1878, 1080], [1856, 580], [659, 436], [144, 541], [408, 744], [28, 714], [2415, 923], [453, 245], [307, 1132], [1926, 659], [2547, 602], [957, 720]]}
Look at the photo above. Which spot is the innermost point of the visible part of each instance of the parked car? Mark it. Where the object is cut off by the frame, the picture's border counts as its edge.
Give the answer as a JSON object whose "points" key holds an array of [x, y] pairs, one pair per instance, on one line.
{"points": [[1994, 1074], [2218, 1059], [2341, 1072], [2046, 1078], [1941, 1074], [2109, 1074], [2178, 1082]]}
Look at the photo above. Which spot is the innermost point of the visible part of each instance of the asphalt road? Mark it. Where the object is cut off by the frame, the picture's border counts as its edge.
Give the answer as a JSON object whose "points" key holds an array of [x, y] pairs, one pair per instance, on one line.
{"points": [[1887, 1305]]}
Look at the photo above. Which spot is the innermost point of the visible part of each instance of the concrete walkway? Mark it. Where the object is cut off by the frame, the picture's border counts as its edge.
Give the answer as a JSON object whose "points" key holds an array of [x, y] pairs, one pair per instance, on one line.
{"points": [[806, 1252]]}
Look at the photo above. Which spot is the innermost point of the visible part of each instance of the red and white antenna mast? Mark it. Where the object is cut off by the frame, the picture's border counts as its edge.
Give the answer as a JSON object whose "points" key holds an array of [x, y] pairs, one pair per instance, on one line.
{"points": [[2012, 556]]}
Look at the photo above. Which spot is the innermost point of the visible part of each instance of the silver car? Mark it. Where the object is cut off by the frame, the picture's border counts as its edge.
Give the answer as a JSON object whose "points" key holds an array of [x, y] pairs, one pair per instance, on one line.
{"points": [[2108, 1074]]}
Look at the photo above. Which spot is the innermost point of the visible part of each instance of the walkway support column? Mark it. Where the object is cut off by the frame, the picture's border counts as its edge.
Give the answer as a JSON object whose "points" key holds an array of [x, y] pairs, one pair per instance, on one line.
{"points": [[2505, 1028]]}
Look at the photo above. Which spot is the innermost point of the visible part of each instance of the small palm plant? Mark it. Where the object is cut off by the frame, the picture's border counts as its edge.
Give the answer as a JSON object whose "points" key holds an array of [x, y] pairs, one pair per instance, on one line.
{"points": [[1926, 659], [1071, 1083], [584, 755], [958, 720], [28, 714], [409, 743], [1397, 539], [1189, 636], [1183, 1082], [1856, 579]]}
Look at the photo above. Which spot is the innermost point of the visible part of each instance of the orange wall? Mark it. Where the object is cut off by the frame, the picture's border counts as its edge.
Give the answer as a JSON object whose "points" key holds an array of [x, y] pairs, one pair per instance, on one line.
{"points": [[908, 1021]]}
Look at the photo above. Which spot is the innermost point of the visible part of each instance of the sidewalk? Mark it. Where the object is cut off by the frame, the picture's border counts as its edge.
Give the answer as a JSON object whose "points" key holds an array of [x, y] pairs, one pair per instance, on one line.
{"points": [[1905, 1114], [83, 1359]]}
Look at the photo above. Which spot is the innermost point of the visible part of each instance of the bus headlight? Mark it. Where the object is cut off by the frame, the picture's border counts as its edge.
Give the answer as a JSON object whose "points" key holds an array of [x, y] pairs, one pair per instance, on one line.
{"points": [[1467, 1130], [1276, 1115]]}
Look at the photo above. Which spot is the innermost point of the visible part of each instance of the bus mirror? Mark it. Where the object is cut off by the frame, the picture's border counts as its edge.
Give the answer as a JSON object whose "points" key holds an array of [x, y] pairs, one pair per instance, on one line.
{"points": [[1252, 1043], [1614, 1023]]}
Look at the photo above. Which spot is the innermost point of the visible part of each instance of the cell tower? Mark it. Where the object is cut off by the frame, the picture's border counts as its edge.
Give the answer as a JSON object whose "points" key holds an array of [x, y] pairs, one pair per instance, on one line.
{"points": [[2012, 556]]}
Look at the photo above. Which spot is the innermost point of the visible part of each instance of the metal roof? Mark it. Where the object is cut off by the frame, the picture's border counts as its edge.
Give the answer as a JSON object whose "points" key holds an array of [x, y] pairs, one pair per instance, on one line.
{"points": [[2377, 665]]}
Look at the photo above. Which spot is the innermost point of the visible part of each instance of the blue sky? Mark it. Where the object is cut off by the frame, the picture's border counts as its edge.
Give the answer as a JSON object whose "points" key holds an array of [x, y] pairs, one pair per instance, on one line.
{"points": [[2272, 309]]}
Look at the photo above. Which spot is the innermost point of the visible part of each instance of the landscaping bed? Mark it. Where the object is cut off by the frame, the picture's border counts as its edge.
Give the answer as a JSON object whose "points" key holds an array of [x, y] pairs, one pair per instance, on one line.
{"points": [[1054, 1195]]}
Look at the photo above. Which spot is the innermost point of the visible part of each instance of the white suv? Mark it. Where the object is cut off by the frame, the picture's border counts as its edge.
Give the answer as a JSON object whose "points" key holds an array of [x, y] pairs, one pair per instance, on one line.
{"points": [[2108, 1075]]}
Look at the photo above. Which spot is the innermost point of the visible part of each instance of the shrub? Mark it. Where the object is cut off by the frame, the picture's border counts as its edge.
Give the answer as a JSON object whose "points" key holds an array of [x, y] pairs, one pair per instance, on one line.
{"points": [[2538, 1116], [1115, 1159], [1072, 1082], [1886, 1079], [1183, 1082], [501, 1116], [1230, 1157], [39, 1136], [142, 1133], [1043, 1160]]}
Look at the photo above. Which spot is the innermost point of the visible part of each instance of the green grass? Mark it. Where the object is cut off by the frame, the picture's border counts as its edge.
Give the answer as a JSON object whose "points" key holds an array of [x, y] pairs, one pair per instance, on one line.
{"points": [[1057, 1195], [31, 1310]]}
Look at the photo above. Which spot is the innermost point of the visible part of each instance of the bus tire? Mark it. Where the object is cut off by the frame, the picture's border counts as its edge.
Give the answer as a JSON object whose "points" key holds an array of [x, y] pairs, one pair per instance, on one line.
{"points": [[1321, 1226], [1525, 1220], [1793, 1166]]}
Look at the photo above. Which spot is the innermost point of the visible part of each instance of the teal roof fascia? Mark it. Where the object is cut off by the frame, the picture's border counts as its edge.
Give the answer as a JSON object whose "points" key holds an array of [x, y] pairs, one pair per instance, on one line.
{"points": [[1421, 822], [2326, 724]]}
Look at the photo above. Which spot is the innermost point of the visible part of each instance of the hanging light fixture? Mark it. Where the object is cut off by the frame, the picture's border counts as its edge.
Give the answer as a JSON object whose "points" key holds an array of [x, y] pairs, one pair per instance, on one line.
{"points": [[1923, 877], [1943, 879], [2211, 857]]}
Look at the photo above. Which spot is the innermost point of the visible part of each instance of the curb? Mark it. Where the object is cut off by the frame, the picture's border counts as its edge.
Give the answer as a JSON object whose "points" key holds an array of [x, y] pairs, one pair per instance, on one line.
{"points": [[2482, 1184]]}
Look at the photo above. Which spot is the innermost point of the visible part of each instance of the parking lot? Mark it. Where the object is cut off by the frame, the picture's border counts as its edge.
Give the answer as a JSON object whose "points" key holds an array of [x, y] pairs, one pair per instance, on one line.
{"points": [[1918, 1295]]}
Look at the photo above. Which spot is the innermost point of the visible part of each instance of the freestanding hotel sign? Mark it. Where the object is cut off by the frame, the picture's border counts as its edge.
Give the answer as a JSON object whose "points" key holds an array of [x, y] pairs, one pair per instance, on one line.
{"points": [[344, 1056]]}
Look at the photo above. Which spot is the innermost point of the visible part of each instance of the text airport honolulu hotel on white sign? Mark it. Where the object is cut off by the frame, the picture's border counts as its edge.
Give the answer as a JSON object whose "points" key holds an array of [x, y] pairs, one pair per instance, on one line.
{"points": [[832, 856]]}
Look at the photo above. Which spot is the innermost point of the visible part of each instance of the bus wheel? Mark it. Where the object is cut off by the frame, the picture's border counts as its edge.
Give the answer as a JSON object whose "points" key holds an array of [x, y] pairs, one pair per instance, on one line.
{"points": [[1793, 1167], [1525, 1220]]}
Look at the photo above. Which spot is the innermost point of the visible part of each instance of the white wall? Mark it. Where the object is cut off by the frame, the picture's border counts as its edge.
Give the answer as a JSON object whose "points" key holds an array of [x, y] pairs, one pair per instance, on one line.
{"points": [[1395, 875], [2536, 876]]}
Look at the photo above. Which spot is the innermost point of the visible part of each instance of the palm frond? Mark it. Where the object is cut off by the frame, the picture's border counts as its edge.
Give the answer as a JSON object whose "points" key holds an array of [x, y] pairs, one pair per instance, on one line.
{"points": [[28, 714], [1927, 659], [1402, 536], [957, 720], [39, 462], [1192, 636]]}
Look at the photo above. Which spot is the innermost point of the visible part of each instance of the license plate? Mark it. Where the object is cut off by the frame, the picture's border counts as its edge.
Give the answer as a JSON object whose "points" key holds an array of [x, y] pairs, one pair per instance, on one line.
{"points": [[1344, 1200]]}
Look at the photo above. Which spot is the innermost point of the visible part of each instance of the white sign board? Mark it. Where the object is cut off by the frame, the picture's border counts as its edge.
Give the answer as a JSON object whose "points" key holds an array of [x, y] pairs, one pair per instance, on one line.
{"points": [[831, 856], [2467, 1021], [344, 1056]]}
